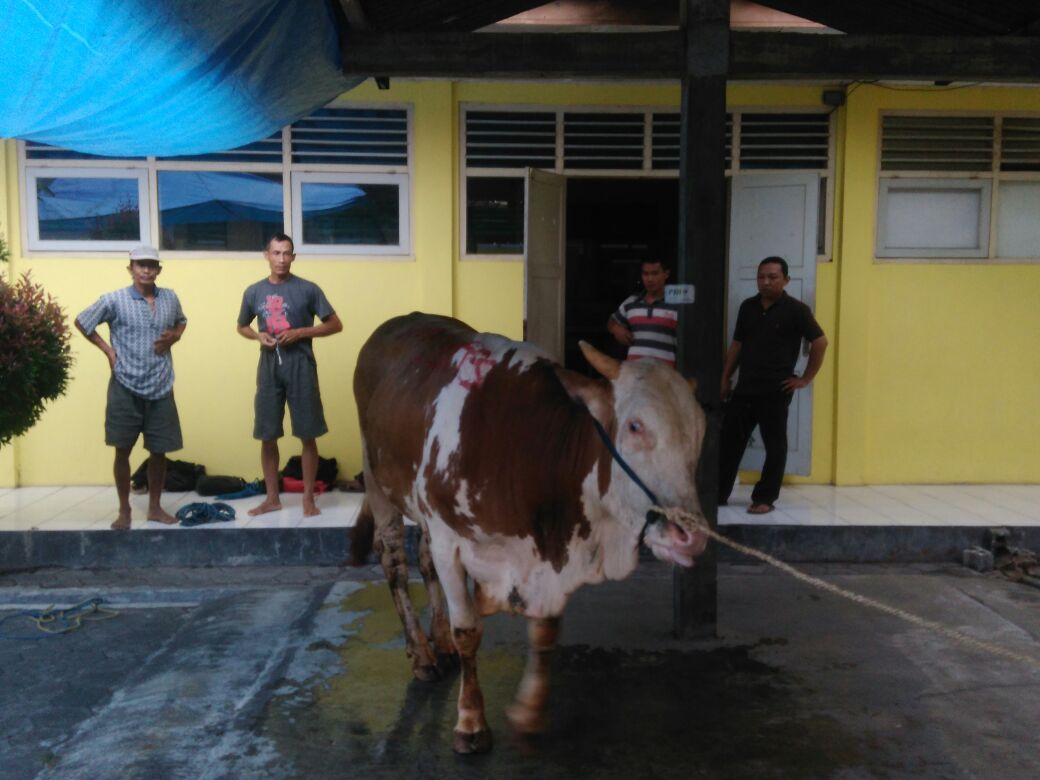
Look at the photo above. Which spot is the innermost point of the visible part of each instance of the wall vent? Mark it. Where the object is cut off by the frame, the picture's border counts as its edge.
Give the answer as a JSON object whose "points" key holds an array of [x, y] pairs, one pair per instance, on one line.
{"points": [[38, 151], [665, 144], [266, 150], [1020, 147], [936, 143], [351, 136], [784, 141], [605, 141], [510, 139]]}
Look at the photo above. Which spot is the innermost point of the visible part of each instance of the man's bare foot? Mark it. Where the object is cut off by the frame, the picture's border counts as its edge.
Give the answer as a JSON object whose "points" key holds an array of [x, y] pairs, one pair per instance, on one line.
{"points": [[310, 509], [122, 522], [161, 516], [264, 508]]}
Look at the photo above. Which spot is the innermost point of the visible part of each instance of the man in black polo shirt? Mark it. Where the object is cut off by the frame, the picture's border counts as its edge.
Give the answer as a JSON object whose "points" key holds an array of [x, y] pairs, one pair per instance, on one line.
{"points": [[769, 332]]}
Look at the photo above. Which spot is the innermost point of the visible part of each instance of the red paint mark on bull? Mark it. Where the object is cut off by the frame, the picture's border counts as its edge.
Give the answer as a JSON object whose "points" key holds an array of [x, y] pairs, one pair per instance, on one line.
{"points": [[474, 365]]}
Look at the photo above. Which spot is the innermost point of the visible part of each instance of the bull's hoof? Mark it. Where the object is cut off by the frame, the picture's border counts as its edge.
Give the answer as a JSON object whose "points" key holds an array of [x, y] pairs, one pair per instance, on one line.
{"points": [[477, 742], [426, 672], [524, 720]]}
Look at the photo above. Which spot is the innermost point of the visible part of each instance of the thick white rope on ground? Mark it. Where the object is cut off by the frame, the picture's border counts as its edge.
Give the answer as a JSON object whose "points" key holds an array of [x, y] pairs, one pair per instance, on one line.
{"points": [[685, 520]]}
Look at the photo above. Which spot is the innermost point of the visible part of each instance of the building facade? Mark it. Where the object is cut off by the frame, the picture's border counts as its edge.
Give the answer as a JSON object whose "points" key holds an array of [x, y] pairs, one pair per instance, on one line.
{"points": [[921, 225]]}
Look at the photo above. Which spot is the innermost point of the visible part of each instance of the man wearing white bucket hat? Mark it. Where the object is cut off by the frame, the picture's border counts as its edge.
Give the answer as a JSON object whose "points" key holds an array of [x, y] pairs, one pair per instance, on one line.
{"points": [[144, 322]]}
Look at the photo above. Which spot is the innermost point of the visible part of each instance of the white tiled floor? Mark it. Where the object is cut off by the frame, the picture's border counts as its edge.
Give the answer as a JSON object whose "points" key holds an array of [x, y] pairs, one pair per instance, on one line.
{"points": [[93, 508], [907, 505]]}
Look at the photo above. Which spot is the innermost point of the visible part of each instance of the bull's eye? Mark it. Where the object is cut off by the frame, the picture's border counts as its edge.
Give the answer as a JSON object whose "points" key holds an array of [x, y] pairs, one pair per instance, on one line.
{"points": [[634, 426]]}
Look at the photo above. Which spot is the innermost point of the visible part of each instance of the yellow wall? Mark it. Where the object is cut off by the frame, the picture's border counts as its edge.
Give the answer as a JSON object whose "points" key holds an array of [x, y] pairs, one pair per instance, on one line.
{"points": [[937, 362], [215, 367], [930, 375]]}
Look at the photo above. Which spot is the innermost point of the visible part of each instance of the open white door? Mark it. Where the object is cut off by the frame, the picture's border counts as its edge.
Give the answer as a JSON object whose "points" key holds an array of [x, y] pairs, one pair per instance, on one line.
{"points": [[545, 209], [776, 215]]}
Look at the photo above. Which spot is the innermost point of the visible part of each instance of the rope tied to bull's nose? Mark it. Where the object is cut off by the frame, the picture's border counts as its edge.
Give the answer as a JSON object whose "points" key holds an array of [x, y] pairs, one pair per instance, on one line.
{"points": [[697, 524]]}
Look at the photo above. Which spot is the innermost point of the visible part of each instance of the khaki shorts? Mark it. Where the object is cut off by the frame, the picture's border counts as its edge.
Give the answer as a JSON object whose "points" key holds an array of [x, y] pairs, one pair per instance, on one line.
{"points": [[294, 380], [128, 415]]}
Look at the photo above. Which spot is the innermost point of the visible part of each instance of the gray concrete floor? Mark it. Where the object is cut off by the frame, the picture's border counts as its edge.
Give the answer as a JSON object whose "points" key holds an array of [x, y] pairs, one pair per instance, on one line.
{"points": [[297, 672]]}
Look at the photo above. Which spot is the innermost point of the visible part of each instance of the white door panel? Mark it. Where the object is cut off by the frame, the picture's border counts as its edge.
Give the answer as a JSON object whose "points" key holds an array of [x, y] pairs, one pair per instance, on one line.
{"points": [[776, 215]]}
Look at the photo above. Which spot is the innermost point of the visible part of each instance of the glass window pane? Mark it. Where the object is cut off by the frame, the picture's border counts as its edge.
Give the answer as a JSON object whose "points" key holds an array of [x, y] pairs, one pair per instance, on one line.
{"points": [[213, 210], [1018, 223], [350, 214], [72, 208], [494, 216], [934, 219]]}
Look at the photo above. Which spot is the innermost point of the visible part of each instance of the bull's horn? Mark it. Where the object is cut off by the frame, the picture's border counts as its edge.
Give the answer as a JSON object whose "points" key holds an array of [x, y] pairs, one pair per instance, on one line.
{"points": [[605, 364]]}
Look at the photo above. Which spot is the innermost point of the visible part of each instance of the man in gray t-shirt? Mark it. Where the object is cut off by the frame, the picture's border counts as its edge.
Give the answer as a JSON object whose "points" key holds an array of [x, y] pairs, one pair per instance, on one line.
{"points": [[285, 307]]}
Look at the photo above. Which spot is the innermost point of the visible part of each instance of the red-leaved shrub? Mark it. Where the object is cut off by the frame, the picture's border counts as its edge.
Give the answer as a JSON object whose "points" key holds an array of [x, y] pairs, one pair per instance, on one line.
{"points": [[35, 356]]}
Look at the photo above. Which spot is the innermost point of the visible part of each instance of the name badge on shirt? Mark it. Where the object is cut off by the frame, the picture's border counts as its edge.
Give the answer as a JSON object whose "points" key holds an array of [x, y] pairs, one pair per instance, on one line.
{"points": [[678, 293]]}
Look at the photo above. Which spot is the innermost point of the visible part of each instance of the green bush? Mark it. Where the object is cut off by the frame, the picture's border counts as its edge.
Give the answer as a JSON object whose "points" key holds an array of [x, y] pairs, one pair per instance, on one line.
{"points": [[35, 356]]}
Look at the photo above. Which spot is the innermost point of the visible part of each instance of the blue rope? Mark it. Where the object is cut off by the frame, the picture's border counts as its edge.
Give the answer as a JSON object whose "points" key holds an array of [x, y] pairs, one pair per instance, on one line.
{"points": [[652, 515], [621, 461], [199, 513]]}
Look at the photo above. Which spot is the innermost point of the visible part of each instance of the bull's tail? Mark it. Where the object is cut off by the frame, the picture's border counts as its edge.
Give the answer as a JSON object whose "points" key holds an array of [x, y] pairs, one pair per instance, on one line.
{"points": [[362, 535]]}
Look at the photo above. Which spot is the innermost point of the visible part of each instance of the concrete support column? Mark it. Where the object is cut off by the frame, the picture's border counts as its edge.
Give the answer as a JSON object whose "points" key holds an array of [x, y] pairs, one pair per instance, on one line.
{"points": [[702, 262]]}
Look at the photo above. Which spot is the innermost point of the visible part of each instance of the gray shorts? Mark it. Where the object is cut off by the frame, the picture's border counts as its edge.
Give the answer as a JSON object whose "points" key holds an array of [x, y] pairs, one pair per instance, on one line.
{"points": [[127, 415], [293, 380]]}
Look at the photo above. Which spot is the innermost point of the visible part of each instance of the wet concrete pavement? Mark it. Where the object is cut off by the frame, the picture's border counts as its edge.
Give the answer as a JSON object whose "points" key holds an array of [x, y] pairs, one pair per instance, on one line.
{"points": [[286, 673]]}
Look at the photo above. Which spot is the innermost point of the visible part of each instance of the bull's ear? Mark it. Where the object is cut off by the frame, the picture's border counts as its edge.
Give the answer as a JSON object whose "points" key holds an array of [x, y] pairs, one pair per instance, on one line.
{"points": [[594, 394], [605, 364]]}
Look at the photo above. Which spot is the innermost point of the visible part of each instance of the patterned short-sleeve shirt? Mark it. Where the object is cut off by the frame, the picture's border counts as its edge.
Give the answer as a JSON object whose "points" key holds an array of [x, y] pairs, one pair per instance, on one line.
{"points": [[133, 328], [654, 327]]}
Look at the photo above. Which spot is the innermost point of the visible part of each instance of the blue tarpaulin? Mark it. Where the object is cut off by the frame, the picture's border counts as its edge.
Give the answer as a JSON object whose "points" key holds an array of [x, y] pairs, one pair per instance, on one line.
{"points": [[129, 78]]}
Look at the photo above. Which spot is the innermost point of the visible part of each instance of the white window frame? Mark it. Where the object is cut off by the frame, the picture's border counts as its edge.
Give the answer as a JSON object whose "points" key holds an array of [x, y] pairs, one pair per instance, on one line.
{"points": [[646, 172], [991, 202], [403, 247], [962, 184], [35, 172], [147, 170]]}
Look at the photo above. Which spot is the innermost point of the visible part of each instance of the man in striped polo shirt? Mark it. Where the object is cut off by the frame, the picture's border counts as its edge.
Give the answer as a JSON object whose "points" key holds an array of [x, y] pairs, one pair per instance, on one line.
{"points": [[645, 323]]}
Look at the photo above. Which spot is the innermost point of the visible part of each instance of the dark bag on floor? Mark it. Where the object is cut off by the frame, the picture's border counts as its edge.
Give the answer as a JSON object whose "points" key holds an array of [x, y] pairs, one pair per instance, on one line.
{"points": [[327, 469], [214, 485], [181, 476]]}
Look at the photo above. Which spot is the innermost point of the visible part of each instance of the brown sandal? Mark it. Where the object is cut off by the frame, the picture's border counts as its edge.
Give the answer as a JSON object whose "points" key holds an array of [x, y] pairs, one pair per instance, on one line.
{"points": [[760, 509]]}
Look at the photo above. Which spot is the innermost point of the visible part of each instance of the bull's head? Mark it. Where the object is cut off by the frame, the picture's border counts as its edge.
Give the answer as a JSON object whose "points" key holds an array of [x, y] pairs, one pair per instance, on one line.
{"points": [[659, 430]]}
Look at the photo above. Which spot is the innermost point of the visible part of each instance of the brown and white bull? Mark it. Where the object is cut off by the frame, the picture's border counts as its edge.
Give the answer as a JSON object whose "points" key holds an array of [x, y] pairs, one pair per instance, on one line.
{"points": [[490, 447]]}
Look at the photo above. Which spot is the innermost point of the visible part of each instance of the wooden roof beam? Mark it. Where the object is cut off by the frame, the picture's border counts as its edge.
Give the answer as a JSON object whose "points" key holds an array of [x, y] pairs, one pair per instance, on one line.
{"points": [[758, 56]]}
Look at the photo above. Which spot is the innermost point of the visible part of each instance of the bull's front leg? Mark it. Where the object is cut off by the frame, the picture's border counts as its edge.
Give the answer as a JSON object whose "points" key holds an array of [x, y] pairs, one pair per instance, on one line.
{"points": [[471, 734], [527, 714]]}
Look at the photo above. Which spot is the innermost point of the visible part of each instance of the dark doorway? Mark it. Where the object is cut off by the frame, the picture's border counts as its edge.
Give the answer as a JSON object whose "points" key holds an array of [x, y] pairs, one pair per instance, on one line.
{"points": [[612, 226]]}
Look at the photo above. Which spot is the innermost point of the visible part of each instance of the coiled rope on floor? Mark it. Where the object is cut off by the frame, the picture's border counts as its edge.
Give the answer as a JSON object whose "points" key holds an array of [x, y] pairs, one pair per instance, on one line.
{"points": [[52, 622], [200, 513], [693, 524]]}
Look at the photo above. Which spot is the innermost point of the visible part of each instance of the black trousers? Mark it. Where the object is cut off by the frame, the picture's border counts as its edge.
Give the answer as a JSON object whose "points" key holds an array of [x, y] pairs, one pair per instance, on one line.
{"points": [[743, 412]]}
